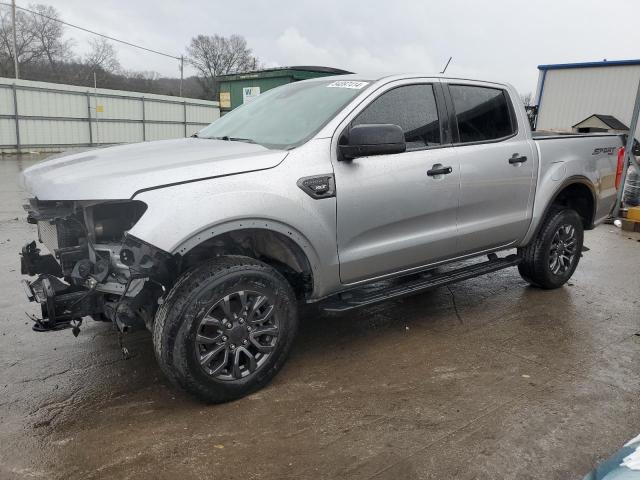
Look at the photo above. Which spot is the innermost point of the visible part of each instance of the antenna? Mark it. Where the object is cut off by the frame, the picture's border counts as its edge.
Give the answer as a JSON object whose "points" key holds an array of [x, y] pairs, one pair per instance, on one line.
{"points": [[445, 67]]}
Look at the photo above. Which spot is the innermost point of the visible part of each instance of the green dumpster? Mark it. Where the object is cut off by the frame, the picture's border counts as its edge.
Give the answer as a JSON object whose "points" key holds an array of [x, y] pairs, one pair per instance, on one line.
{"points": [[239, 88]]}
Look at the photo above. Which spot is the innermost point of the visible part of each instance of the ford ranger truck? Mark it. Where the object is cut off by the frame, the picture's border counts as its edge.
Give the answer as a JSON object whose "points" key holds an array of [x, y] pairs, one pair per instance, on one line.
{"points": [[341, 191]]}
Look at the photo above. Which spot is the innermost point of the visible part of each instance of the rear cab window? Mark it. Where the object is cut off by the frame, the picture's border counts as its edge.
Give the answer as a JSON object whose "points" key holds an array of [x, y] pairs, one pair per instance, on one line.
{"points": [[413, 108], [483, 114]]}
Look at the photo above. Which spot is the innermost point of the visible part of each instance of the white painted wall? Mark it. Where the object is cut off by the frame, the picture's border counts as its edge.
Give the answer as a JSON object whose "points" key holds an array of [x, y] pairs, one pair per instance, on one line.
{"points": [[572, 94], [53, 116]]}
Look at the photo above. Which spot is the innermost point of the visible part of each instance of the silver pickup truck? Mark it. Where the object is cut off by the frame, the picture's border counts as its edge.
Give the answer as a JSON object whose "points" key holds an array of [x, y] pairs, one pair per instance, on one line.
{"points": [[342, 191]]}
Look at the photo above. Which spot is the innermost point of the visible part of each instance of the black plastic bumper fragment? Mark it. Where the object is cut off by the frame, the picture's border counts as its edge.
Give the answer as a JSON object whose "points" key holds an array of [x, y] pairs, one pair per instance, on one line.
{"points": [[60, 303], [32, 263]]}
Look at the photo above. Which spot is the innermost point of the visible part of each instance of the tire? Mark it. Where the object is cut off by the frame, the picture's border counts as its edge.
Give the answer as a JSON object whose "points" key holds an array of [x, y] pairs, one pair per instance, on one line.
{"points": [[215, 311], [562, 231]]}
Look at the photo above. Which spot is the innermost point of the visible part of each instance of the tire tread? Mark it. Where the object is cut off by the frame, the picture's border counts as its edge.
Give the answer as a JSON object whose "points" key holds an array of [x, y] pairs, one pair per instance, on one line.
{"points": [[534, 268], [169, 319]]}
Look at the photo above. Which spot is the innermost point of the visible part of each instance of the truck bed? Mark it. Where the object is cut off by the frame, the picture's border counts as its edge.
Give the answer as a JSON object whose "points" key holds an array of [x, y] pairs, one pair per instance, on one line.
{"points": [[589, 156], [546, 135]]}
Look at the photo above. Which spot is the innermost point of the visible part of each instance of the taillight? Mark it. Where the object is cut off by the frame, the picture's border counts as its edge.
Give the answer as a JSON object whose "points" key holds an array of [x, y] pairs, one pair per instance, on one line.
{"points": [[620, 168]]}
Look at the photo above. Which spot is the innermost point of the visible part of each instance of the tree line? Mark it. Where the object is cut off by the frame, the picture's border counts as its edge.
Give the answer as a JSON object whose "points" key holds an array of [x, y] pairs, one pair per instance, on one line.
{"points": [[45, 53]]}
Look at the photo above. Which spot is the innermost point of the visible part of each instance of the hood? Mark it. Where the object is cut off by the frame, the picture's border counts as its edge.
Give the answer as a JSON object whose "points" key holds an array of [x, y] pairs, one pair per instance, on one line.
{"points": [[116, 173]]}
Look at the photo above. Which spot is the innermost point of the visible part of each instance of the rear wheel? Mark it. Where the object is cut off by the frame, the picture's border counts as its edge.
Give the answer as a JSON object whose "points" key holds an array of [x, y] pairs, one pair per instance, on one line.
{"points": [[226, 328], [553, 255]]}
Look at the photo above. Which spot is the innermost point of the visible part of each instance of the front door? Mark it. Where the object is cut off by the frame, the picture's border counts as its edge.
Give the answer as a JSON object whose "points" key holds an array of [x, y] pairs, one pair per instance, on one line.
{"points": [[392, 215], [497, 165]]}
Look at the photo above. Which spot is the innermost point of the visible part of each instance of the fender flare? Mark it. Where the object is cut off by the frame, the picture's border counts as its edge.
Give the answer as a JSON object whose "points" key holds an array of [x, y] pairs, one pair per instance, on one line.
{"points": [[298, 238], [567, 182]]}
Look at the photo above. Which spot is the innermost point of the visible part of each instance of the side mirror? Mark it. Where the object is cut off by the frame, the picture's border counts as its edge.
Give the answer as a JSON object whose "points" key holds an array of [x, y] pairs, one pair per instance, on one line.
{"points": [[373, 139]]}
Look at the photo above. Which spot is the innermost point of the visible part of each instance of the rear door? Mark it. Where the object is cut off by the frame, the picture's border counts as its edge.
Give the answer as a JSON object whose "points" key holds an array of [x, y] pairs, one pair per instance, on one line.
{"points": [[497, 165], [391, 214]]}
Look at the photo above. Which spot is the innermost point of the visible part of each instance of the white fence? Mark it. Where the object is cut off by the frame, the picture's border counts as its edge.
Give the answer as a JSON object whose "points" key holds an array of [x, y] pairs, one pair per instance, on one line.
{"points": [[39, 116]]}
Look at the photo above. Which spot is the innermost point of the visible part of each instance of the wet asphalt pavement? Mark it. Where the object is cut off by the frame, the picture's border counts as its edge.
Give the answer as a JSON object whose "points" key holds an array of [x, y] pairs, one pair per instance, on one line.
{"points": [[488, 379]]}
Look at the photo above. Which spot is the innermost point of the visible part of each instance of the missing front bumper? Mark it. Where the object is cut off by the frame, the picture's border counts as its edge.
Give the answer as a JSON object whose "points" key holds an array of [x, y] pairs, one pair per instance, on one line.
{"points": [[61, 305], [121, 283]]}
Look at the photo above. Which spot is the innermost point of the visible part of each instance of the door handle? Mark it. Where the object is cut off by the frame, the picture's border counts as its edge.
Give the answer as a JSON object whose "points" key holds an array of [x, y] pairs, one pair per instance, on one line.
{"points": [[439, 170], [517, 159]]}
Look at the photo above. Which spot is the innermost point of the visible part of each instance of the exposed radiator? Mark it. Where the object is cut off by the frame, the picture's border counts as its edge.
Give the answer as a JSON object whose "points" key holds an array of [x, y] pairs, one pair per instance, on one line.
{"points": [[48, 234], [63, 234]]}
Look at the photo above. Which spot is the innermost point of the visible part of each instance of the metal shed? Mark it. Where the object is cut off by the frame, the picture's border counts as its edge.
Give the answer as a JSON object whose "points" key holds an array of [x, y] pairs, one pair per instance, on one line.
{"points": [[239, 88], [600, 123], [569, 93]]}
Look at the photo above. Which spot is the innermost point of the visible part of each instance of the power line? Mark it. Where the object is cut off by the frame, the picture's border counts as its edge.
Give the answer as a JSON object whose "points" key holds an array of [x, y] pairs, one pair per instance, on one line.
{"points": [[14, 7], [94, 33]]}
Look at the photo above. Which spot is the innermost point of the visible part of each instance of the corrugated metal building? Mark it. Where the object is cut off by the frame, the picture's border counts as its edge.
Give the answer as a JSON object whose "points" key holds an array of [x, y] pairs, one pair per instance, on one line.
{"points": [[49, 116], [569, 93]]}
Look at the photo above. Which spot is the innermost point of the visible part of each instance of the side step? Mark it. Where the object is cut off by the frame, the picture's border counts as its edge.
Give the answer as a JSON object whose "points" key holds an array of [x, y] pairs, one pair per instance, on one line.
{"points": [[382, 291]]}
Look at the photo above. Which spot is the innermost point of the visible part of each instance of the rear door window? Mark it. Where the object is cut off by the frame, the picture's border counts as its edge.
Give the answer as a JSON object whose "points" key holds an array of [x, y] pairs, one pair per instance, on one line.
{"points": [[413, 108], [482, 113]]}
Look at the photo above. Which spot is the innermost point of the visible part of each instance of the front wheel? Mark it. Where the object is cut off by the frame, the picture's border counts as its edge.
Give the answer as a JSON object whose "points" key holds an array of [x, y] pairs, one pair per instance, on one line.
{"points": [[225, 328], [552, 256]]}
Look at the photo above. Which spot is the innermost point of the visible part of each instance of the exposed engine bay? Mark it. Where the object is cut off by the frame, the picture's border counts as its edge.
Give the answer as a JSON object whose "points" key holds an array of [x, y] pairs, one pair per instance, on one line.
{"points": [[93, 267]]}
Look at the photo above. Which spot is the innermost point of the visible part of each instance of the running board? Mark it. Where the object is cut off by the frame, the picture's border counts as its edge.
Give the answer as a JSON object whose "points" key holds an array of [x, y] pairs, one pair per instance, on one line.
{"points": [[374, 293]]}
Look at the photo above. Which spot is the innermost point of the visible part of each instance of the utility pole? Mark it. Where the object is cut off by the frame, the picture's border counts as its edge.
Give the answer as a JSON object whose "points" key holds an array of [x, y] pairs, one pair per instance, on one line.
{"points": [[181, 72], [95, 96], [15, 41]]}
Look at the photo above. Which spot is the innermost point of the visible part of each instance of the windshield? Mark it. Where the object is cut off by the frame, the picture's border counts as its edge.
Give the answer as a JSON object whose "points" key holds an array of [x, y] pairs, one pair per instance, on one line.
{"points": [[287, 116]]}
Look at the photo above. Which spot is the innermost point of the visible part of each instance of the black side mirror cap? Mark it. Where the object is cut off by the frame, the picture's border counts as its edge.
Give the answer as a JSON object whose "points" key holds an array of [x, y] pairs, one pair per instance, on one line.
{"points": [[373, 139]]}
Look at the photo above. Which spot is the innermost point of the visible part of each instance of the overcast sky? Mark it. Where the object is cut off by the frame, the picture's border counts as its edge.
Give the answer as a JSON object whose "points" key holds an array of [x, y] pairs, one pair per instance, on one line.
{"points": [[491, 39]]}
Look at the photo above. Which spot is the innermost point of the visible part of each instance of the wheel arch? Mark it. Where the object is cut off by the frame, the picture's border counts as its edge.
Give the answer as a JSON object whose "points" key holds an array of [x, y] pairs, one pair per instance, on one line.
{"points": [[277, 244], [576, 192]]}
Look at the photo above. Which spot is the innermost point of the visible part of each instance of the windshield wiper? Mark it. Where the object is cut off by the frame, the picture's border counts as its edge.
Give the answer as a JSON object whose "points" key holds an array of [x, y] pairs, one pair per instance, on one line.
{"points": [[237, 139], [234, 139]]}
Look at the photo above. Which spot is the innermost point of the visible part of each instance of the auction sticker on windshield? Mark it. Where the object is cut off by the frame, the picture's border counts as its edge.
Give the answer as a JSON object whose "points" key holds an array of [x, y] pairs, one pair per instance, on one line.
{"points": [[348, 84]]}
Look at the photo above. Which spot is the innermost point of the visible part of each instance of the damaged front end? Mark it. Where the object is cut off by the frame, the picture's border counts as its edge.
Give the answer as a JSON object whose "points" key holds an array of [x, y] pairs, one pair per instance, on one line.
{"points": [[94, 268]]}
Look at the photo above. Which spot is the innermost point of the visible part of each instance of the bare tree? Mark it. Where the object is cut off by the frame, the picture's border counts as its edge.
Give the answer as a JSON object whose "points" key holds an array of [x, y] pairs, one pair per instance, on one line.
{"points": [[27, 49], [6, 52], [39, 38], [215, 55], [102, 56], [532, 110], [44, 54], [48, 33]]}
